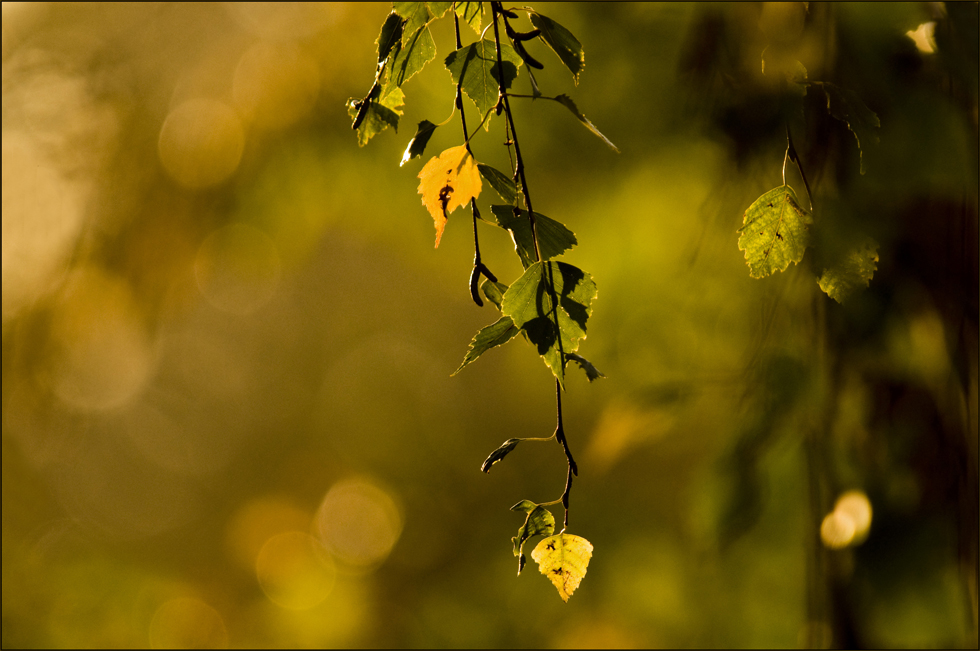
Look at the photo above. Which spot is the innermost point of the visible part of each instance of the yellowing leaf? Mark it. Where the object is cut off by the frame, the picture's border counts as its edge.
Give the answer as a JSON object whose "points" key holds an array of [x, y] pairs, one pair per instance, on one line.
{"points": [[564, 559], [449, 181]]}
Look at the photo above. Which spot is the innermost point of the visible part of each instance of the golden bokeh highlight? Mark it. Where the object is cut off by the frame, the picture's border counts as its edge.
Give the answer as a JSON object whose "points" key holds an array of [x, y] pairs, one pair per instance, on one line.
{"points": [[275, 84], [285, 21], [237, 269], [849, 523], [187, 623], [924, 37], [201, 143], [359, 523], [101, 352], [258, 521], [42, 216], [294, 570]]}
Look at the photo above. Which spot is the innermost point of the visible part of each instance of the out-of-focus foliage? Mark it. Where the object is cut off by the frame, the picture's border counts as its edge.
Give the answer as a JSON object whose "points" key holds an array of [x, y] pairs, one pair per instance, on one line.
{"points": [[227, 412]]}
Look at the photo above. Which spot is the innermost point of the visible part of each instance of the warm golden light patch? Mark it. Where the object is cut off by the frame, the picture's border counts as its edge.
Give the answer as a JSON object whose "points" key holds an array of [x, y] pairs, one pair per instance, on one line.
{"points": [[201, 143]]}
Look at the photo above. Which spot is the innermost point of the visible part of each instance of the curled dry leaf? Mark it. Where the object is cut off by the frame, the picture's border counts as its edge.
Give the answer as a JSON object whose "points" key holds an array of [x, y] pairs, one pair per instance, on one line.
{"points": [[449, 181]]}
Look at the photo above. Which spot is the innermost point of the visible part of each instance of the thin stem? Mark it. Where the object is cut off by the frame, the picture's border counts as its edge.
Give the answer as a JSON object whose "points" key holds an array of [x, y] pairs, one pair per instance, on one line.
{"points": [[478, 267], [785, 159], [519, 175], [572, 466], [519, 172], [793, 156], [537, 438]]}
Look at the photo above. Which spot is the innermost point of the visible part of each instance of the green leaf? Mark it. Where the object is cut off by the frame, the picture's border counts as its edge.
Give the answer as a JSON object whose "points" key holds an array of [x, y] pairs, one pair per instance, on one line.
{"points": [[591, 371], [499, 454], [553, 237], [495, 334], [564, 559], [409, 57], [852, 273], [471, 13], [530, 303], [391, 33], [476, 66], [419, 14], [494, 291], [418, 142], [539, 522], [775, 232], [417, 46], [846, 106], [564, 44], [524, 505], [500, 182], [568, 103], [380, 115]]}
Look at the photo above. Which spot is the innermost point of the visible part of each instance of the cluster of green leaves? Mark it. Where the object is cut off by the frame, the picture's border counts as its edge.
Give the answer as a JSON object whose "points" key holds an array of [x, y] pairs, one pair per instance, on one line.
{"points": [[776, 227], [549, 305]]}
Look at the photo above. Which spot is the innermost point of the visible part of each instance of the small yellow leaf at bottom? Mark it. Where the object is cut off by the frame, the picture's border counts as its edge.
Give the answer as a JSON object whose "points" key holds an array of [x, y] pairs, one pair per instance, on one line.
{"points": [[564, 559], [449, 181]]}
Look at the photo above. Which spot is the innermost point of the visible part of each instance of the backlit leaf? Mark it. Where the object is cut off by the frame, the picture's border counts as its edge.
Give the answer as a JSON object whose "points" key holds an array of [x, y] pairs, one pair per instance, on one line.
{"points": [[495, 334], [553, 237], [449, 181], [476, 66], [846, 106], [568, 103], [380, 115], [499, 454], [391, 33], [409, 57], [539, 522], [775, 232], [564, 559], [471, 13], [494, 291], [852, 273], [530, 303], [564, 44], [591, 371], [416, 47], [501, 183], [418, 142], [419, 14]]}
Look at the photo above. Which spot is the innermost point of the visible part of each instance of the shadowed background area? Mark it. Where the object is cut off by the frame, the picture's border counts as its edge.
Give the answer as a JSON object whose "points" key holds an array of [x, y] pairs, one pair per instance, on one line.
{"points": [[227, 340]]}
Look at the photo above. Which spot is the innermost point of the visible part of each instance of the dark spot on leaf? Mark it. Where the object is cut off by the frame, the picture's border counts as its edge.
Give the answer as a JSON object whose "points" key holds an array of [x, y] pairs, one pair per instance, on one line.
{"points": [[556, 571], [551, 546], [779, 236], [444, 197]]}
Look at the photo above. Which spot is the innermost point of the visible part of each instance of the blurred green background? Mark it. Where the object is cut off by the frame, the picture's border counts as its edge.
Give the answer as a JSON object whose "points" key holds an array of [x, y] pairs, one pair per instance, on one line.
{"points": [[227, 412]]}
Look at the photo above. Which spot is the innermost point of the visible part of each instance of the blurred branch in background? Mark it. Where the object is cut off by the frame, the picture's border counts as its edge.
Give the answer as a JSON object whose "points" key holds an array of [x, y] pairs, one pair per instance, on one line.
{"points": [[227, 412]]}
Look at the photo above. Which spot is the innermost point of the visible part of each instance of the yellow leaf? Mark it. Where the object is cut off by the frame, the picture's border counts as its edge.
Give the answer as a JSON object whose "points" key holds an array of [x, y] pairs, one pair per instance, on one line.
{"points": [[564, 559], [449, 181]]}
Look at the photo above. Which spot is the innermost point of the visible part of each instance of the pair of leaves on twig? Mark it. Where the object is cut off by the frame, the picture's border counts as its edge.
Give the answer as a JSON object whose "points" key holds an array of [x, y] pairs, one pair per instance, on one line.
{"points": [[776, 232], [405, 46], [563, 558], [551, 304]]}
